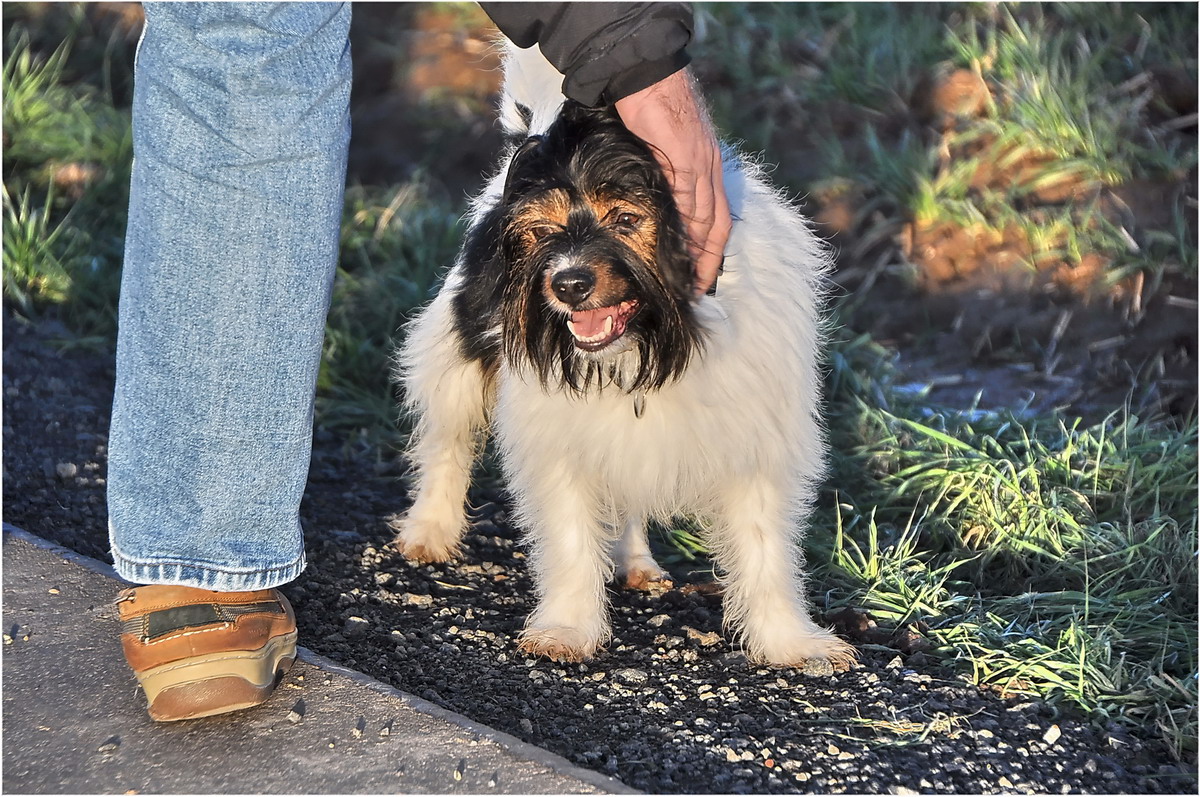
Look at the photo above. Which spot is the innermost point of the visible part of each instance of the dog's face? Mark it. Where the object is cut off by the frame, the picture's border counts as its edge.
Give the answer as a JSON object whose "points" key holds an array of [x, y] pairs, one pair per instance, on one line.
{"points": [[596, 272]]}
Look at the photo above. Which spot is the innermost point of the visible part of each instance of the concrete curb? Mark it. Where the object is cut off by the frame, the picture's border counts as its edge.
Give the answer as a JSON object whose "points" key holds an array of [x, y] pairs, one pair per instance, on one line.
{"points": [[512, 745]]}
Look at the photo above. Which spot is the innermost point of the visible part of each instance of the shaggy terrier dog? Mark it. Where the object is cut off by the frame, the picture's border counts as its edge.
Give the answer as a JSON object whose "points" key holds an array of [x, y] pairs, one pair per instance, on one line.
{"points": [[567, 327]]}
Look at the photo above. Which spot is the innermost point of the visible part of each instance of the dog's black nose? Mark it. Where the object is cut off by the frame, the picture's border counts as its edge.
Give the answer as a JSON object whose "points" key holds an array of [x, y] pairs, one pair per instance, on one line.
{"points": [[573, 285]]}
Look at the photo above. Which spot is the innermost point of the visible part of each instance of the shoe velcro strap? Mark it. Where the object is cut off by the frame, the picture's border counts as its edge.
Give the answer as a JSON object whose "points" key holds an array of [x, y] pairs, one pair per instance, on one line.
{"points": [[168, 621]]}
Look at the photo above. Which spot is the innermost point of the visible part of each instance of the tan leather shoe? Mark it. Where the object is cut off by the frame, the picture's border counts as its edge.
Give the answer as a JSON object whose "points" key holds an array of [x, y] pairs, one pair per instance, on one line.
{"points": [[197, 653]]}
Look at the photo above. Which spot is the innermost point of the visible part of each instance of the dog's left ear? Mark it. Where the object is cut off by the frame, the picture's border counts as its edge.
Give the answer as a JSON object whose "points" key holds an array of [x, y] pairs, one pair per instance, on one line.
{"points": [[675, 262], [519, 158]]}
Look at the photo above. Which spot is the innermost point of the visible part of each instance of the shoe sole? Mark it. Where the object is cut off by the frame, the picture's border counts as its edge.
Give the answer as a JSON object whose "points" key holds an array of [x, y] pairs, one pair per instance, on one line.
{"points": [[217, 683]]}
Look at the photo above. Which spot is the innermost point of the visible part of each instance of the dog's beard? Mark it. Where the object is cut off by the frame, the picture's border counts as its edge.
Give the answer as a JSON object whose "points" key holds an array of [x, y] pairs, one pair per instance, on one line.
{"points": [[657, 335]]}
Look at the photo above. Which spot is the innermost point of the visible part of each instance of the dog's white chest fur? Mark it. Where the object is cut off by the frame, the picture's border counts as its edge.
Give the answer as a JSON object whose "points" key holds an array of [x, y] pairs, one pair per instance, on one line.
{"points": [[739, 408]]}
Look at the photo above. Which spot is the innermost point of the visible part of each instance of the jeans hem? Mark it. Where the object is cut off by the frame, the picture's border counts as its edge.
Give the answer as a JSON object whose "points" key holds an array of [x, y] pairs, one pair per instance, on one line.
{"points": [[184, 574]]}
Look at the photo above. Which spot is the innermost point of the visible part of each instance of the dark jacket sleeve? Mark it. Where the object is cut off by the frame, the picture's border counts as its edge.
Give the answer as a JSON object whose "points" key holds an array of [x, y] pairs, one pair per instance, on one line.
{"points": [[605, 51]]}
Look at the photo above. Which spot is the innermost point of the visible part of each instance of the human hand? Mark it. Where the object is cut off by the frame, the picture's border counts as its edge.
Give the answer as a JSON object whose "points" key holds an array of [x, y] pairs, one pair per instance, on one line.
{"points": [[671, 119]]}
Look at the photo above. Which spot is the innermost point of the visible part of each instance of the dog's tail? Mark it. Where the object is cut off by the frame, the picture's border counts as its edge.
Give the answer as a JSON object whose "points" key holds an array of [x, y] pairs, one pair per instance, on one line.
{"points": [[532, 91]]}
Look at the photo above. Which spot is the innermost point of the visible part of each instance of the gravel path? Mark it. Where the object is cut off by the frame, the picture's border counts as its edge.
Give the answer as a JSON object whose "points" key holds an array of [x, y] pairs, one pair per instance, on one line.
{"points": [[669, 707]]}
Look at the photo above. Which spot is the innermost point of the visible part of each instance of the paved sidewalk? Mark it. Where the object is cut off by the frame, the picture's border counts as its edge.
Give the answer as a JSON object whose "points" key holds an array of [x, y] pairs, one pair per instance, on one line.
{"points": [[75, 720]]}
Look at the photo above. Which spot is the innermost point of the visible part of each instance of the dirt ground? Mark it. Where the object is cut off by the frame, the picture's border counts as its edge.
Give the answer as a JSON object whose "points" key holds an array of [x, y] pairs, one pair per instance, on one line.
{"points": [[670, 706]]}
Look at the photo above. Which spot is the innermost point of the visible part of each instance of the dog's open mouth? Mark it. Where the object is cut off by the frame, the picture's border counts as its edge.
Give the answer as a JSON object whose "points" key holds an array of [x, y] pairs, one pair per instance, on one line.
{"points": [[595, 329]]}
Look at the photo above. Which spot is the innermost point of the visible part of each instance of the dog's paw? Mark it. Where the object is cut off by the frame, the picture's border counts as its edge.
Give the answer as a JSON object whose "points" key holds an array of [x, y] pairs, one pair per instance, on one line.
{"points": [[559, 643], [645, 575], [421, 543], [420, 554], [819, 653]]}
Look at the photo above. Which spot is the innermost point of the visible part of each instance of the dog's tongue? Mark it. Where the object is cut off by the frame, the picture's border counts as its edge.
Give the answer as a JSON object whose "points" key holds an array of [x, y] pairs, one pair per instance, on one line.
{"points": [[589, 323]]}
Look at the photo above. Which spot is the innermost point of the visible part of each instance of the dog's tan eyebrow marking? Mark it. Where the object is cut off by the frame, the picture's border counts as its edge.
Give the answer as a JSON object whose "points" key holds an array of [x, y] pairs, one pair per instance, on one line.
{"points": [[549, 207], [603, 205], [606, 204]]}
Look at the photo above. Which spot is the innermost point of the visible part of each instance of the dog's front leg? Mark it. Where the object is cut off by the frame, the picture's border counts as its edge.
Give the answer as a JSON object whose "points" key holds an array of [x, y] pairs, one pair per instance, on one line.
{"points": [[756, 543], [448, 396], [570, 564]]}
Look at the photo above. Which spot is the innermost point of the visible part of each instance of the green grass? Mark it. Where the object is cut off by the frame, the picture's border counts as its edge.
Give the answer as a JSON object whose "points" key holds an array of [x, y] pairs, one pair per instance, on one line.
{"points": [[1047, 558], [1044, 555], [62, 243], [1070, 85], [33, 269], [395, 244]]}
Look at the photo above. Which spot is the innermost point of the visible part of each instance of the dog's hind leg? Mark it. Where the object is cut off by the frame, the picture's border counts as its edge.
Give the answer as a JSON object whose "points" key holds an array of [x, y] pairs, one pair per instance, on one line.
{"points": [[636, 568], [756, 545], [448, 397]]}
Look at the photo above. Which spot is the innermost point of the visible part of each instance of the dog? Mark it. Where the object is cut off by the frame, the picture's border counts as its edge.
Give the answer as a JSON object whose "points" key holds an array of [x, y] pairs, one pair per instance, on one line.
{"points": [[568, 329]]}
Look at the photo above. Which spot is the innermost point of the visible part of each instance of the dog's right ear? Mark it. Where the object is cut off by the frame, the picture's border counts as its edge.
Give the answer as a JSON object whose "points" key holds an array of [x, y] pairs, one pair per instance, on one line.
{"points": [[523, 153]]}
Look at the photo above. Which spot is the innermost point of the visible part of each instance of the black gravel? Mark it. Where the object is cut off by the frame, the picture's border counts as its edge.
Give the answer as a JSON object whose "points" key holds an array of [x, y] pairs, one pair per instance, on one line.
{"points": [[668, 707]]}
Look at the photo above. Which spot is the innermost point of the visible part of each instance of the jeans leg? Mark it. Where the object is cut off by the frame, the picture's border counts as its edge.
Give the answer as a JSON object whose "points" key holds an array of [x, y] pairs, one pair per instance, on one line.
{"points": [[241, 123]]}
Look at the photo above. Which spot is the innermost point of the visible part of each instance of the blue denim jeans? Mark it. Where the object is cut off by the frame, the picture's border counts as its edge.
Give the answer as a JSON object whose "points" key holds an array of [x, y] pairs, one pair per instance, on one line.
{"points": [[241, 124]]}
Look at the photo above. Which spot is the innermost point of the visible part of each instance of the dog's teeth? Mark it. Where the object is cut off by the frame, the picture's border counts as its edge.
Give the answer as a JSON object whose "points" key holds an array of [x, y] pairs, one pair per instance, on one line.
{"points": [[610, 323]]}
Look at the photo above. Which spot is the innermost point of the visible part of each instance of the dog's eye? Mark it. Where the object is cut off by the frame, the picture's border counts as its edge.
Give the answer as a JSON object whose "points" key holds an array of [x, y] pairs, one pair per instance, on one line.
{"points": [[626, 219], [540, 231]]}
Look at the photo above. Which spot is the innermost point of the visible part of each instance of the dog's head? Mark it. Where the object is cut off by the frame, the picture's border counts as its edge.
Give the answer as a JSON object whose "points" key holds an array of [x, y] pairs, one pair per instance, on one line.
{"points": [[597, 277]]}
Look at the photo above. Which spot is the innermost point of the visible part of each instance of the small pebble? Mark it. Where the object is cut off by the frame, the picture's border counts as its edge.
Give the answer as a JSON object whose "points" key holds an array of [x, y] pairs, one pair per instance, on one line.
{"points": [[705, 638], [110, 745], [66, 470], [1052, 734], [630, 675]]}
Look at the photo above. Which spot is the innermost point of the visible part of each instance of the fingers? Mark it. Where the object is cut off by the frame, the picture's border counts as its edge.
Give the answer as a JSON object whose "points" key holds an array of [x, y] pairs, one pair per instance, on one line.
{"points": [[702, 204], [708, 265], [671, 118], [709, 224]]}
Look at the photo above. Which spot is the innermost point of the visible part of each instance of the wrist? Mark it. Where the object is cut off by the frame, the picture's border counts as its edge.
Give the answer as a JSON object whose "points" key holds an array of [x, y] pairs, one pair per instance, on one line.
{"points": [[673, 93], [646, 75]]}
